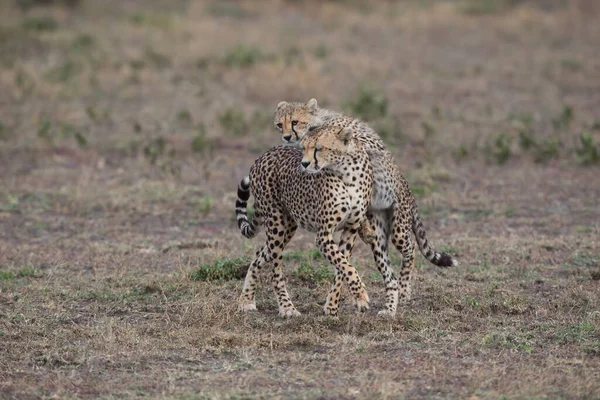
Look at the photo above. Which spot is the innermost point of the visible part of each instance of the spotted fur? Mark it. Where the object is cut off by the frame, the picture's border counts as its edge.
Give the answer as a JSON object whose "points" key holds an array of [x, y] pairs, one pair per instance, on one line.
{"points": [[393, 212], [325, 187]]}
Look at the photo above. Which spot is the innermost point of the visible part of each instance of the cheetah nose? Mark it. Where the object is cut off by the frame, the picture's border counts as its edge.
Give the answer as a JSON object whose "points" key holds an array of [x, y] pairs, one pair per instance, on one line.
{"points": [[287, 138], [305, 164]]}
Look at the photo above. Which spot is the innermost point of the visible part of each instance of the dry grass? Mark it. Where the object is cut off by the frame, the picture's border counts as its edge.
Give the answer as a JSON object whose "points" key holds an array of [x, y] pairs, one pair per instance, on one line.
{"points": [[124, 131]]}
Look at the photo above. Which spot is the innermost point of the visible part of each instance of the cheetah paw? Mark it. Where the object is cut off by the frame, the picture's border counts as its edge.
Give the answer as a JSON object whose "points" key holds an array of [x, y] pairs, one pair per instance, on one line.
{"points": [[289, 313], [330, 311], [387, 313], [245, 306], [361, 305]]}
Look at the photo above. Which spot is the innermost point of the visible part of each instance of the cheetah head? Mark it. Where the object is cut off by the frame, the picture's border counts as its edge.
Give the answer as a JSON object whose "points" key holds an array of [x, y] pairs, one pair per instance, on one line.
{"points": [[325, 148], [294, 120]]}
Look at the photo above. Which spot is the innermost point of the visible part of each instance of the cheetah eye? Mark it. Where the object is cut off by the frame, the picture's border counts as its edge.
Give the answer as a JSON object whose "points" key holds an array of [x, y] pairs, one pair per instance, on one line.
{"points": [[318, 148], [279, 126], [294, 122]]}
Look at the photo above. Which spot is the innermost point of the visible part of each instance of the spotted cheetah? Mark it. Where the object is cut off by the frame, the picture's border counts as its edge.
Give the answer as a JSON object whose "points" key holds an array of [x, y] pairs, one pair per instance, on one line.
{"points": [[325, 188], [393, 210]]}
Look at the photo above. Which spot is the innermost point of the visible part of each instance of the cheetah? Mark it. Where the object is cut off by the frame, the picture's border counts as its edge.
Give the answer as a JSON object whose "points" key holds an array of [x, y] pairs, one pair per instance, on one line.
{"points": [[324, 188], [393, 211]]}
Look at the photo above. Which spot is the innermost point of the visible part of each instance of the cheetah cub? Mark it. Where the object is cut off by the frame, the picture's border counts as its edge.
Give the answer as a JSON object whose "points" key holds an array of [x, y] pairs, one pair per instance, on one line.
{"points": [[325, 187], [393, 211]]}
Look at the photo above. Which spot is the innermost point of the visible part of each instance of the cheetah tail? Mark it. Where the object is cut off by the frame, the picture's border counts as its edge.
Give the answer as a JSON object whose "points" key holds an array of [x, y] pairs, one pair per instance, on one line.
{"points": [[439, 259], [248, 228]]}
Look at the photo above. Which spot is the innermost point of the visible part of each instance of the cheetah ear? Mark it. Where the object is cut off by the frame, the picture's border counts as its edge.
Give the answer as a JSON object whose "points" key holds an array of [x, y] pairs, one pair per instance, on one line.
{"points": [[281, 104], [345, 135], [312, 105]]}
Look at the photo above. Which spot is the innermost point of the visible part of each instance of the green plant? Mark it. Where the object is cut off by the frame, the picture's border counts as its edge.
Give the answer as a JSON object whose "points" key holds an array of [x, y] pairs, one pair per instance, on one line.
{"points": [[428, 129], [40, 24], [308, 273], [526, 140], [6, 275], [80, 138], [546, 150], [501, 148], [224, 269], [564, 119], [64, 72], [156, 59], [155, 148], [83, 43], [302, 255], [461, 153], [233, 122], [389, 128], [243, 56], [226, 9], [44, 130], [369, 104], [184, 116], [3, 134], [482, 7], [200, 143], [205, 205], [588, 152], [293, 56], [321, 51]]}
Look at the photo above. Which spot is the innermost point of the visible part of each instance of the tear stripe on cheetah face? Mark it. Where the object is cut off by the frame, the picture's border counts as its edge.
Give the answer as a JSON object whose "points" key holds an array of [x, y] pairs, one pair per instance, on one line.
{"points": [[336, 198], [390, 189]]}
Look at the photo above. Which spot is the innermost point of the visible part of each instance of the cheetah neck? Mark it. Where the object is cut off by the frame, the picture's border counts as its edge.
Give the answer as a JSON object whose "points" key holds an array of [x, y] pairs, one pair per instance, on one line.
{"points": [[354, 169]]}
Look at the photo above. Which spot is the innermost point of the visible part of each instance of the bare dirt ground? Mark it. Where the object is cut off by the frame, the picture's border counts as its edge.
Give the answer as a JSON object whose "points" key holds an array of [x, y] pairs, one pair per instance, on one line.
{"points": [[126, 126]]}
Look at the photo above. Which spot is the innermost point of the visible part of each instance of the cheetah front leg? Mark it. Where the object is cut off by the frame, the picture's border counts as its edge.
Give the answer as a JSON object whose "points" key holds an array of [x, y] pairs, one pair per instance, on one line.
{"points": [[344, 271], [346, 245]]}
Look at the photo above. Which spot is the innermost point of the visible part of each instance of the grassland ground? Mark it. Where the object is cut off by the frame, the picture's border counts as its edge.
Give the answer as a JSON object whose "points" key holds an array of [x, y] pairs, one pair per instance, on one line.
{"points": [[125, 128]]}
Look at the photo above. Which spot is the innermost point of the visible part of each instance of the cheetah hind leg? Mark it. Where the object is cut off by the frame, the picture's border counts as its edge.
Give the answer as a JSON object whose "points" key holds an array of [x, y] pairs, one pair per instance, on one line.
{"points": [[402, 240], [286, 308], [367, 232], [246, 301]]}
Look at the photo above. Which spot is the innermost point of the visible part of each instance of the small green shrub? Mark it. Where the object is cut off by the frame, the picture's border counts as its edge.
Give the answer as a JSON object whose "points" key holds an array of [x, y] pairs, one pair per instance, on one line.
{"points": [[155, 148], [303, 255], [389, 129], [64, 72], [204, 205], [546, 150], [501, 150], [184, 116], [202, 144], [40, 24], [483, 7], [44, 130], [588, 152], [369, 104], [242, 56], [461, 153], [564, 119], [6, 275], [83, 43], [156, 59], [233, 122], [308, 273], [428, 129], [526, 140], [224, 269], [321, 51], [3, 134]]}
